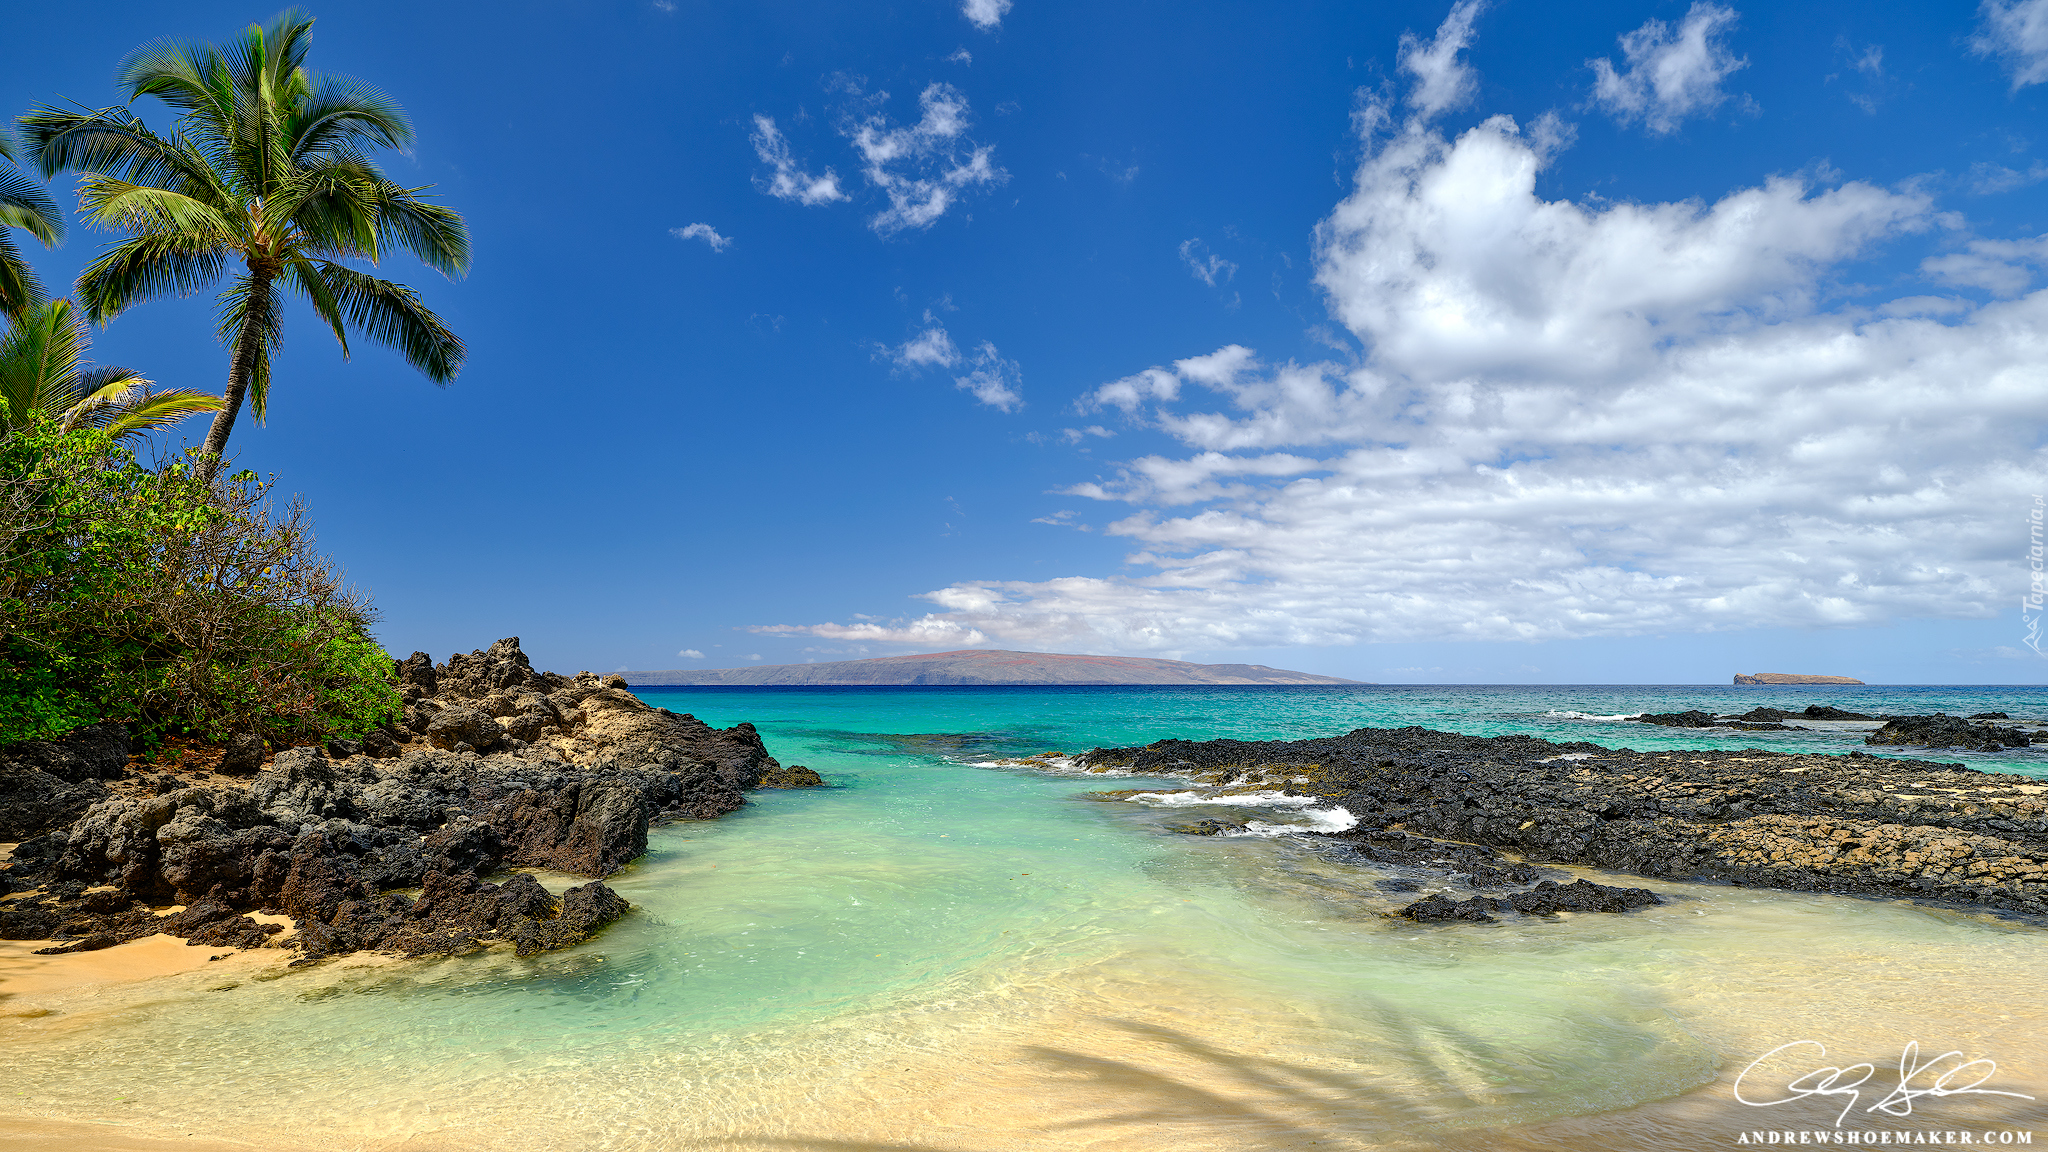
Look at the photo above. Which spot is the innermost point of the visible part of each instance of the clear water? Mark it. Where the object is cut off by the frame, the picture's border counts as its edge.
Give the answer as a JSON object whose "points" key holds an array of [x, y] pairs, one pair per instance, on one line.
{"points": [[939, 953]]}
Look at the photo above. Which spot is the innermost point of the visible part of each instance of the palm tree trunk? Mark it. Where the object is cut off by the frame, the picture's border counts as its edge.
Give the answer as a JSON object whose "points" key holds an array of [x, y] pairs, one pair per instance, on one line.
{"points": [[248, 346]]}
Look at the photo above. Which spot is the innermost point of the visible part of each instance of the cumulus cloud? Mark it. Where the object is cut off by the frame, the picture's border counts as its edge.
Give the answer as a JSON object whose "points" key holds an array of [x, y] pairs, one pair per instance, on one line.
{"points": [[1668, 75], [1442, 80], [786, 179], [1206, 266], [1569, 420], [704, 232], [986, 15], [922, 168], [690, 654], [993, 380], [2015, 32]]}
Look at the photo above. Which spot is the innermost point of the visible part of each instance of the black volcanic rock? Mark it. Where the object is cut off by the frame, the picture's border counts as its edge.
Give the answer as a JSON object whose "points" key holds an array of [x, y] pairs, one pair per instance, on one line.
{"points": [[1854, 824], [1944, 731], [324, 834]]}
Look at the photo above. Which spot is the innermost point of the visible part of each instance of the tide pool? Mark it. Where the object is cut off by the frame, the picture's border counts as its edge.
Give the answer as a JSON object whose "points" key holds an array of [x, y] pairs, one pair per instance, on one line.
{"points": [[941, 951]]}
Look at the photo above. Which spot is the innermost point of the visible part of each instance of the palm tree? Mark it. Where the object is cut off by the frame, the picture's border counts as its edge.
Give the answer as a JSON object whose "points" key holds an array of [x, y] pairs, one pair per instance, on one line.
{"points": [[43, 370], [24, 204], [268, 165]]}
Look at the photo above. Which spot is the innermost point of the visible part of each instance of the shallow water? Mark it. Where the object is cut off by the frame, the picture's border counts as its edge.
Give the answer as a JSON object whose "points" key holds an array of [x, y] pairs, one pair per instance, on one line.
{"points": [[940, 954]]}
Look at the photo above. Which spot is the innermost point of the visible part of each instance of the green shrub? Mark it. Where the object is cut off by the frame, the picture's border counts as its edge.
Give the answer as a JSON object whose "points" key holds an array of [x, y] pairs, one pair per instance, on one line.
{"points": [[175, 605]]}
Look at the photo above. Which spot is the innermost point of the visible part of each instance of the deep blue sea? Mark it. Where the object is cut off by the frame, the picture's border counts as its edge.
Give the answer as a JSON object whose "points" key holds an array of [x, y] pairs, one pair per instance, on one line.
{"points": [[951, 951]]}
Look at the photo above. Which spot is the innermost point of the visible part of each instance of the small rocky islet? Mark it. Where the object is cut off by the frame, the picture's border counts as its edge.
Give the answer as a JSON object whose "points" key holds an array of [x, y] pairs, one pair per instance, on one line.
{"points": [[1850, 824], [1977, 733], [494, 767]]}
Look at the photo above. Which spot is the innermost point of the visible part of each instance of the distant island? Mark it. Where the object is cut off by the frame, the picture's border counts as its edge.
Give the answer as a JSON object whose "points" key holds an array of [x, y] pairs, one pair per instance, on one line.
{"points": [[1761, 678], [985, 667]]}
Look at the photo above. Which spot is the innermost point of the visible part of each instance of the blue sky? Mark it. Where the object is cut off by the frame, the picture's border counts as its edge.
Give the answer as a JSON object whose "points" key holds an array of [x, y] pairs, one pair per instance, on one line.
{"points": [[1413, 343]]}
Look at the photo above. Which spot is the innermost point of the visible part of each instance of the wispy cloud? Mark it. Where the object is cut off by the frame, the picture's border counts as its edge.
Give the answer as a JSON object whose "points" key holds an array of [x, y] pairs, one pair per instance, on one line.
{"points": [[786, 179], [993, 380], [1206, 266], [930, 348], [704, 232], [690, 654], [923, 167], [1669, 74], [1442, 80], [2016, 33]]}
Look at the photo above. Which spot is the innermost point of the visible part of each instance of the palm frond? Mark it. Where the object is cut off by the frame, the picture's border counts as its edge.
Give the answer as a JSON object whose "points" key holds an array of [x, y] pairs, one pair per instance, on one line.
{"points": [[156, 211], [344, 114], [144, 268], [246, 305], [27, 205], [131, 415], [435, 233], [112, 142], [20, 288], [392, 314], [306, 276], [184, 74]]}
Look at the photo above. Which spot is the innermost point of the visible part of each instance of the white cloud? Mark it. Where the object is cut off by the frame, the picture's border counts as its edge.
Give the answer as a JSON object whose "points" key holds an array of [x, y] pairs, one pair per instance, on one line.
{"points": [[929, 631], [986, 15], [962, 56], [931, 348], [690, 654], [753, 656], [993, 380], [2016, 31], [704, 232], [1569, 420], [923, 167], [787, 180], [2001, 267], [1442, 81], [1991, 179], [1212, 269], [1669, 76]]}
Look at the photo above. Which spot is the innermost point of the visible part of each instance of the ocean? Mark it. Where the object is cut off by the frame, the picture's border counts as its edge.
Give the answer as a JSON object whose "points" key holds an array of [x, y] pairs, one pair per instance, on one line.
{"points": [[950, 950]]}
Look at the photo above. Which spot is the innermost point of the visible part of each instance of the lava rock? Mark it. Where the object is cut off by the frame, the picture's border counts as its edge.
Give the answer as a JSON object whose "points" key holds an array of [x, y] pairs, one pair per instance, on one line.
{"points": [[1693, 718], [1207, 828], [1827, 712], [1944, 731], [244, 755]]}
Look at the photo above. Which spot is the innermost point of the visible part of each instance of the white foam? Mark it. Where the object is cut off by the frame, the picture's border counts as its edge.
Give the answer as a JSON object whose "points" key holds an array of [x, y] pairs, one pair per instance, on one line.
{"points": [[1567, 756], [1335, 818], [1570, 715], [1267, 799]]}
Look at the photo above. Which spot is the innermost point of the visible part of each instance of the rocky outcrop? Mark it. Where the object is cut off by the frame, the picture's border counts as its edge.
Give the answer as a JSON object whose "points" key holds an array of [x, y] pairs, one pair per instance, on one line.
{"points": [[1762, 678], [1944, 731], [48, 784], [1854, 824], [1546, 899], [496, 766]]}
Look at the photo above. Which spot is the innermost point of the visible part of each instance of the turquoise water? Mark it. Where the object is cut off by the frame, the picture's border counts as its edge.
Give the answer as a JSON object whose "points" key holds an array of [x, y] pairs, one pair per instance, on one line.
{"points": [[944, 951]]}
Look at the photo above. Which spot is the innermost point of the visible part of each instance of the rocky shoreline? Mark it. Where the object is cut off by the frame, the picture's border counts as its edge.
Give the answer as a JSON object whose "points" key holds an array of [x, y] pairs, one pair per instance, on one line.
{"points": [[1854, 825], [494, 767]]}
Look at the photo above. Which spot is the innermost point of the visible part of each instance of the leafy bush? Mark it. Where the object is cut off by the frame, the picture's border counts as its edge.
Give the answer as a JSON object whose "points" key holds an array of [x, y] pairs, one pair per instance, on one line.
{"points": [[171, 603]]}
